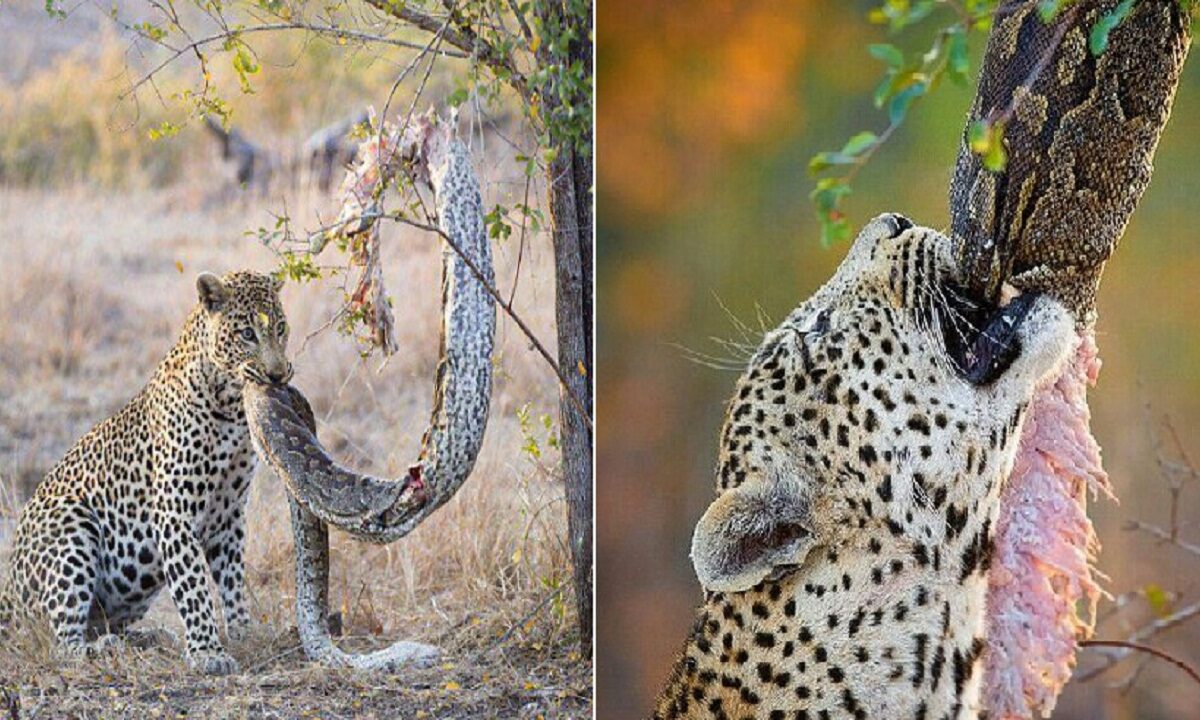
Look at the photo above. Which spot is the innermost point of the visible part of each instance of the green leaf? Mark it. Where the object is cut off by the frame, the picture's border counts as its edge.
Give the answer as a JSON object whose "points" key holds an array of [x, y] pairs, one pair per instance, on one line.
{"points": [[165, 130], [987, 141], [889, 54], [297, 266], [979, 136], [244, 62], [883, 91], [899, 105], [1159, 600], [828, 193], [825, 160], [150, 30], [834, 230], [996, 157], [895, 83], [859, 143], [1098, 40], [898, 14], [1049, 9], [958, 61]]}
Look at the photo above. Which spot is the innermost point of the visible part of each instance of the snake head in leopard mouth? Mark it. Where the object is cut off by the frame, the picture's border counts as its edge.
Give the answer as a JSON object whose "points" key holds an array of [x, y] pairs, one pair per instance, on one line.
{"points": [[981, 337], [979, 334]]}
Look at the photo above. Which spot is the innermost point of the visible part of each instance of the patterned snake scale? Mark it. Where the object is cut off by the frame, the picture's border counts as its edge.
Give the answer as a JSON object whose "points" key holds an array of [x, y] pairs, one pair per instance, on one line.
{"points": [[382, 510]]}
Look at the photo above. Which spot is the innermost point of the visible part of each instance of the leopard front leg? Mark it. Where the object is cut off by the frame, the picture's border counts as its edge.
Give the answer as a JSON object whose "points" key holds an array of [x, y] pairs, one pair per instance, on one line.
{"points": [[226, 559], [183, 563]]}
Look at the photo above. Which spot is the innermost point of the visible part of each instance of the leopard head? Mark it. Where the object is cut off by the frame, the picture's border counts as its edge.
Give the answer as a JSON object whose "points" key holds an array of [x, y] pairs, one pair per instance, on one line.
{"points": [[247, 332], [853, 403]]}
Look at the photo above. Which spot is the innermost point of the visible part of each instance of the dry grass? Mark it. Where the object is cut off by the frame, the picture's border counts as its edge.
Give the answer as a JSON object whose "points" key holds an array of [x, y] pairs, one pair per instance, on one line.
{"points": [[90, 299]]}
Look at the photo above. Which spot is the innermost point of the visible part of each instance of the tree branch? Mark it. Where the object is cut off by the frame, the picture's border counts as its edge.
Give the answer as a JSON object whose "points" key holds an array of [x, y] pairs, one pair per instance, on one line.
{"points": [[1162, 535], [516, 11], [461, 37], [508, 310], [329, 30]]}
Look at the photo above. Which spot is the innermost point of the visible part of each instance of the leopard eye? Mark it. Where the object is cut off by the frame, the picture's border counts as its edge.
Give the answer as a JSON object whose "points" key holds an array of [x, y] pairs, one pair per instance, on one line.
{"points": [[248, 335], [281, 329]]}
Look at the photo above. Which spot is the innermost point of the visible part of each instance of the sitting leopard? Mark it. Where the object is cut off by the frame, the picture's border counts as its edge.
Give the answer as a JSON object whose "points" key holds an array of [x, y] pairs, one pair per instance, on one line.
{"points": [[844, 557], [154, 492]]}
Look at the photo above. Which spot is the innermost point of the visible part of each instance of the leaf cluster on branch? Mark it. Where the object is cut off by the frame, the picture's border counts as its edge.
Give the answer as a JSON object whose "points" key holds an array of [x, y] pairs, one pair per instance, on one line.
{"points": [[908, 77]]}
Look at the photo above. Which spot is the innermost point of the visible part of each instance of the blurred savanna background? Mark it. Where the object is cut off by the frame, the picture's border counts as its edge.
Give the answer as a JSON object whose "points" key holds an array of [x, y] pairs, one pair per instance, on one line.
{"points": [[112, 203], [708, 115]]}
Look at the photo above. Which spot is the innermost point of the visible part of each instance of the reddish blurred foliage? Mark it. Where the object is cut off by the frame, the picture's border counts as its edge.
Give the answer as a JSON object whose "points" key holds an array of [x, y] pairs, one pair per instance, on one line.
{"points": [[648, 295], [675, 96]]}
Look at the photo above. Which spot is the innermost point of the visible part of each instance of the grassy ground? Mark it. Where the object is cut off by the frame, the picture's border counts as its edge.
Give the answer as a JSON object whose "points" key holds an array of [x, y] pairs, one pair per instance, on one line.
{"points": [[91, 297]]}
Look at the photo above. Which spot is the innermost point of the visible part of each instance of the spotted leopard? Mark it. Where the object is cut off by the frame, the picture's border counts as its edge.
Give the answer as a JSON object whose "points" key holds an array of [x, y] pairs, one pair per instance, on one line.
{"points": [[845, 556], [157, 491]]}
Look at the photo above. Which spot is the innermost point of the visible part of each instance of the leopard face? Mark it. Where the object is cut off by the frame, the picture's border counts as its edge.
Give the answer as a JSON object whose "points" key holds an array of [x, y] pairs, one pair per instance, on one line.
{"points": [[841, 390], [869, 333], [845, 554], [247, 332]]}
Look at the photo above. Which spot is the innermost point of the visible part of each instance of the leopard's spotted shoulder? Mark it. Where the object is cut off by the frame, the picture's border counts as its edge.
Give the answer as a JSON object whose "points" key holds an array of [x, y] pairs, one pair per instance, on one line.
{"points": [[859, 469], [153, 496]]}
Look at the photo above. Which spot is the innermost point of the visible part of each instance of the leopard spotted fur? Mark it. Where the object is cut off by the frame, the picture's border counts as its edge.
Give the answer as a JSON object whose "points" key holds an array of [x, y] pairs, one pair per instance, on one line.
{"points": [[154, 495], [845, 555]]}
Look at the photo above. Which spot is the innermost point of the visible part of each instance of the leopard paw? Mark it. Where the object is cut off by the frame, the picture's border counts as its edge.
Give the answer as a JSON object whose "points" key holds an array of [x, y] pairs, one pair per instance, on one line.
{"points": [[213, 662]]}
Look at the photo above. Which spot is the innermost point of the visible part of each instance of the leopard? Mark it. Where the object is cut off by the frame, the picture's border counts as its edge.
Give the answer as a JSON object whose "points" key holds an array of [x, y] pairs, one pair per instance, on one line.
{"points": [[844, 559], [154, 496]]}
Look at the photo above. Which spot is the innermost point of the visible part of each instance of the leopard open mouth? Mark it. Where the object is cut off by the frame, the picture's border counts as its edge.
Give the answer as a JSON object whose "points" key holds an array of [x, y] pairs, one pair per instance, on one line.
{"points": [[981, 336]]}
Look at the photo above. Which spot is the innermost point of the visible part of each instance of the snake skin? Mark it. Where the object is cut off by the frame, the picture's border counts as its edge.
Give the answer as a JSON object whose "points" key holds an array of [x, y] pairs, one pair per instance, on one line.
{"points": [[376, 509], [1080, 141]]}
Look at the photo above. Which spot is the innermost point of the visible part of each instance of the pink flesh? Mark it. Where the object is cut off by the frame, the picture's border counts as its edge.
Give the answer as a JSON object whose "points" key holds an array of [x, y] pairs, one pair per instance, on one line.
{"points": [[1041, 574]]}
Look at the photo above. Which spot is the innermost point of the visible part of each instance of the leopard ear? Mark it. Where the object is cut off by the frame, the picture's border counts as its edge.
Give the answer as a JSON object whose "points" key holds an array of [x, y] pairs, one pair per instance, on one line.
{"points": [[213, 292], [277, 282], [749, 532]]}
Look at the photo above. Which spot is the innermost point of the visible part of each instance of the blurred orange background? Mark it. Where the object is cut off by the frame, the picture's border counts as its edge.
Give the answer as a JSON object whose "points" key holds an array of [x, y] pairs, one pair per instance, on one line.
{"points": [[708, 113]]}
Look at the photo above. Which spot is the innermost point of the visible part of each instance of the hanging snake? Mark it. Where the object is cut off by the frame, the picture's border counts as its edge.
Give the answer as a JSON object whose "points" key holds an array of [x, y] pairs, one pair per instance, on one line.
{"points": [[321, 491]]}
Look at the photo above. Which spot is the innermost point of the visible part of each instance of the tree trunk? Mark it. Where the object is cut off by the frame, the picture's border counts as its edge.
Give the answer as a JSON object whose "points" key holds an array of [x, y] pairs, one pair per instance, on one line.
{"points": [[569, 202], [571, 221]]}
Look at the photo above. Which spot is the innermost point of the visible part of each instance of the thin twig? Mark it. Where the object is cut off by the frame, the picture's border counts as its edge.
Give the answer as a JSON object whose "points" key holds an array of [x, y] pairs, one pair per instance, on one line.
{"points": [[520, 16], [529, 616], [276, 27], [1145, 633], [1171, 538], [274, 658], [521, 246], [461, 37], [1129, 647], [434, 45]]}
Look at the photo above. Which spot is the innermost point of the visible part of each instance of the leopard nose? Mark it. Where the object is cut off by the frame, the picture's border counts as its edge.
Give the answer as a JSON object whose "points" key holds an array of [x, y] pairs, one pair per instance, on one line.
{"points": [[279, 373]]}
